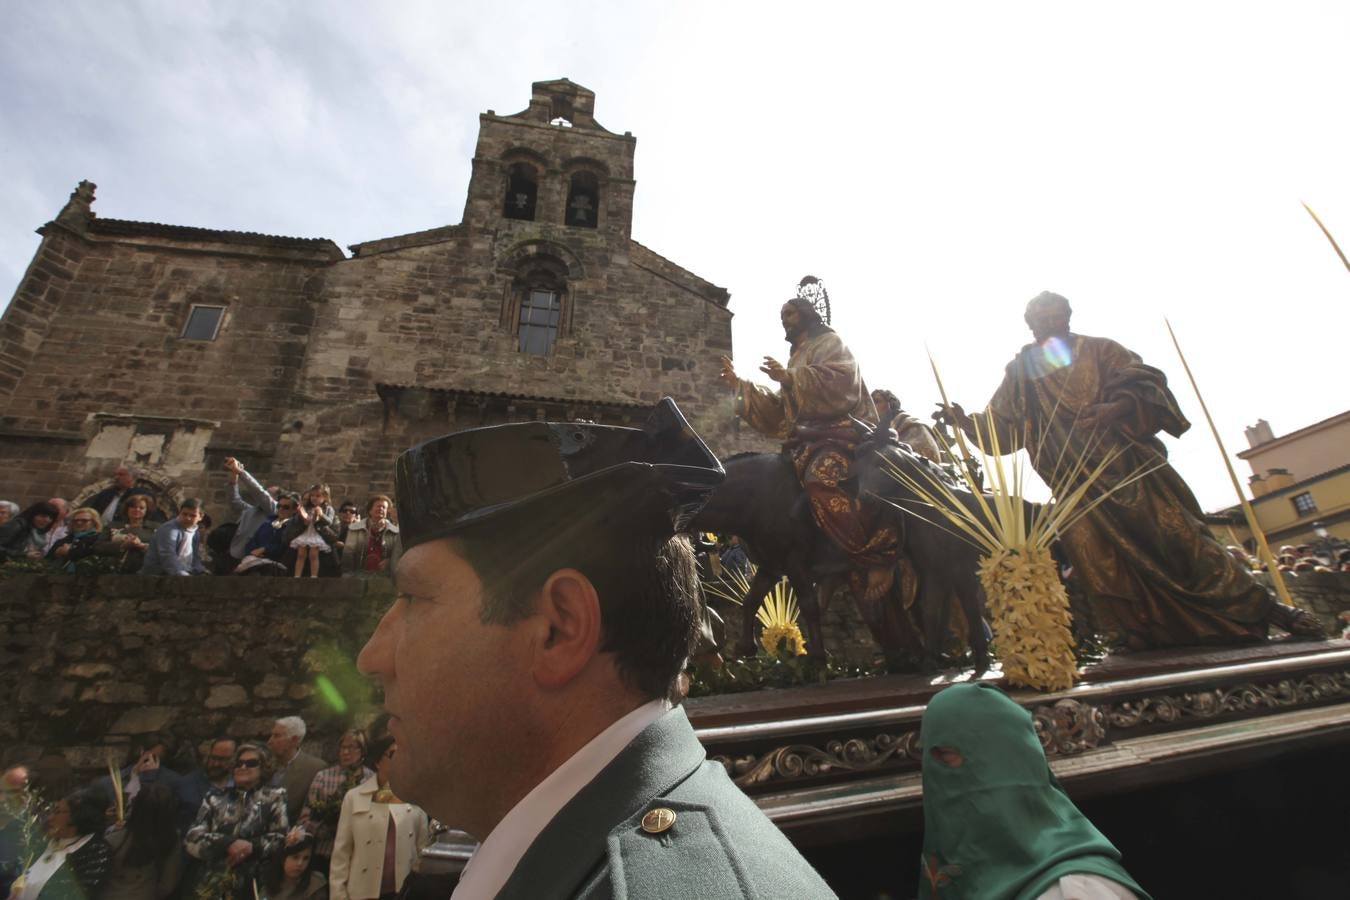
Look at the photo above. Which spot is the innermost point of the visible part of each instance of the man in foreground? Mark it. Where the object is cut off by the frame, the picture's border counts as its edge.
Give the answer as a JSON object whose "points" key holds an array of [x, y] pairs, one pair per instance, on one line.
{"points": [[545, 611]]}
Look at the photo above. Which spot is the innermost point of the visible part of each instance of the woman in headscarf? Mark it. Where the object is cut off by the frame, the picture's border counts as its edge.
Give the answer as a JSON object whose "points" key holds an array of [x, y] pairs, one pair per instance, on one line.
{"points": [[997, 825]]}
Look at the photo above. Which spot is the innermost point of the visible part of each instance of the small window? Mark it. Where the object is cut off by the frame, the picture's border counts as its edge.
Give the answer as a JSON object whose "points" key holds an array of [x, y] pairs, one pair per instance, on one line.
{"points": [[562, 111], [583, 201], [539, 316], [1304, 503], [522, 191], [203, 323]]}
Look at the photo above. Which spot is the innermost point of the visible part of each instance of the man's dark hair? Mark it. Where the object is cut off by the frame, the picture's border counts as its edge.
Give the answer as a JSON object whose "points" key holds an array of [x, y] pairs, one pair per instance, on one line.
{"points": [[650, 604], [191, 503], [232, 741], [87, 811], [41, 508], [149, 742], [377, 749]]}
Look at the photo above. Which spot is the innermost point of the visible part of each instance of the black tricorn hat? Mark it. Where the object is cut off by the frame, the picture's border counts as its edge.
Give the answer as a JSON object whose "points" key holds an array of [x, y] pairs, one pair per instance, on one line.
{"points": [[655, 478]]}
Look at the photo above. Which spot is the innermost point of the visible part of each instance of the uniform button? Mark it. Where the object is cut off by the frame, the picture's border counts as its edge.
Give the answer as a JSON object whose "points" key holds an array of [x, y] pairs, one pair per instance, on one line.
{"points": [[658, 820]]}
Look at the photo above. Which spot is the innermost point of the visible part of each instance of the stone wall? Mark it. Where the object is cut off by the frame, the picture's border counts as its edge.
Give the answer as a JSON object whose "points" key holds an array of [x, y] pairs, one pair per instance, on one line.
{"points": [[1325, 593], [91, 664]]}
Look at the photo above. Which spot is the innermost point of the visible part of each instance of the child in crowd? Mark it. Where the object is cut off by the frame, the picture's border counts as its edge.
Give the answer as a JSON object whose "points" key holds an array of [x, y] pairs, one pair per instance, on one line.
{"points": [[318, 516]]}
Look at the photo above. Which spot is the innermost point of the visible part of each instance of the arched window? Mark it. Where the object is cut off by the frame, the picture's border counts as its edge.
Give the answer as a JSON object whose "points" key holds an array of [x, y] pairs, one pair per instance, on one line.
{"points": [[540, 292], [522, 191], [583, 200]]}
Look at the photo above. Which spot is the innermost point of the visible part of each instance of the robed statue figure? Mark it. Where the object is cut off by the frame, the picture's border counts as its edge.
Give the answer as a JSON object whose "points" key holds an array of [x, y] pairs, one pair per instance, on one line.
{"points": [[819, 389], [1153, 569]]}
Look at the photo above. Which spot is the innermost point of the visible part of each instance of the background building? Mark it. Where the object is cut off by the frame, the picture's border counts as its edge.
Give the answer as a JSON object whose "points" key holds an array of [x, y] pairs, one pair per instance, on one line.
{"points": [[173, 347], [1300, 482]]}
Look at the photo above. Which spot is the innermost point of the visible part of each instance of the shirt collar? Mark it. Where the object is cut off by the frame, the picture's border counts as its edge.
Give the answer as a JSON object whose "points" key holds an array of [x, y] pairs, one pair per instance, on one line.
{"points": [[496, 858]]}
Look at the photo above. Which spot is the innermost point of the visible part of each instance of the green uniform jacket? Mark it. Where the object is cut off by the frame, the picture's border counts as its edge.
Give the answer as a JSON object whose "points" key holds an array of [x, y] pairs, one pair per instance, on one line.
{"points": [[720, 845]]}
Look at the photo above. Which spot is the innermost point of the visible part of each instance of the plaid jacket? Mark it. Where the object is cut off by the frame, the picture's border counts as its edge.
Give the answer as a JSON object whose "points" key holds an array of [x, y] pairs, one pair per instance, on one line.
{"points": [[320, 815]]}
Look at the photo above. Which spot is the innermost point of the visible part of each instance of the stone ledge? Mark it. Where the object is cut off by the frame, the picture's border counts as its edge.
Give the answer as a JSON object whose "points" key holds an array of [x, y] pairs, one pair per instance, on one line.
{"points": [[21, 587]]}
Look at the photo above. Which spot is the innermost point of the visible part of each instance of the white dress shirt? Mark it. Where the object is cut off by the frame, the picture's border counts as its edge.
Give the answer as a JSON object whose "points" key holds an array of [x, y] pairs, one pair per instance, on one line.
{"points": [[496, 858], [1084, 886]]}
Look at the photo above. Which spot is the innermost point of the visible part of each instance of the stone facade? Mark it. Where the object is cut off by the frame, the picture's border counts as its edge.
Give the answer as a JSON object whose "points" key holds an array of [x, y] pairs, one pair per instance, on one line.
{"points": [[325, 366], [1326, 594], [91, 665]]}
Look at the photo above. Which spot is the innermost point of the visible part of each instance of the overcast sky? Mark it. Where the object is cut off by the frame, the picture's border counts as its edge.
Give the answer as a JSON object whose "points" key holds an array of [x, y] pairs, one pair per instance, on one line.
{"points": [[937, 164]]}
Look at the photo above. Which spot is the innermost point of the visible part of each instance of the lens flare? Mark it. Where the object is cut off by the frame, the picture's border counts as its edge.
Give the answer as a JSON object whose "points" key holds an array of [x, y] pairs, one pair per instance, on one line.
{"points": [[1056, 353], [331, 695]]}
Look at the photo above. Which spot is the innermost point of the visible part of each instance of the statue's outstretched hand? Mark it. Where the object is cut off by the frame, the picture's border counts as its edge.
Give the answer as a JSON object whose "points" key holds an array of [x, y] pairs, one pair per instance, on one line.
{"points": [[774, 369], [728, 373], [953, 414]]}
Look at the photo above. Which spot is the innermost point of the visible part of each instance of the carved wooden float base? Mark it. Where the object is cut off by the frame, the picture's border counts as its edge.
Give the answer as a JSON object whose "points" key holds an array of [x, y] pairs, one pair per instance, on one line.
{"points": [[846, 753], [840, 761]]}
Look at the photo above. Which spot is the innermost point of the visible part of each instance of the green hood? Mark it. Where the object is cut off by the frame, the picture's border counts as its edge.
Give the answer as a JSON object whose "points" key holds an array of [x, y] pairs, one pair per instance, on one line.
{"points": [[999, 827]]}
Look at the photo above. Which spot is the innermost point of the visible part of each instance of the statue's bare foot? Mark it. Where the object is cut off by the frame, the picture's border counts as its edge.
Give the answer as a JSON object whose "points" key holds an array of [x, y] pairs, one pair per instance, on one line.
{"points": [[1299, 623]]}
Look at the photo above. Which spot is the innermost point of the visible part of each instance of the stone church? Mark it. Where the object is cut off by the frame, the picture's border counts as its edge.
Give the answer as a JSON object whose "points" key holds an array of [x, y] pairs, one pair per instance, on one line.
{"points": [[172, 347]]}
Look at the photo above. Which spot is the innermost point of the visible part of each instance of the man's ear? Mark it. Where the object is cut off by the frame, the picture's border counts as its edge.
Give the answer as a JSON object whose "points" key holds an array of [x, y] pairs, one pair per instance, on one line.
{"points": [[569, 628]]}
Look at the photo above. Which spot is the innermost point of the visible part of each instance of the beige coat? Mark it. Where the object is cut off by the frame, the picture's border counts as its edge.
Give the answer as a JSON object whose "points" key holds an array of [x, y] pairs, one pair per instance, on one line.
{"points": [[358, 851]]}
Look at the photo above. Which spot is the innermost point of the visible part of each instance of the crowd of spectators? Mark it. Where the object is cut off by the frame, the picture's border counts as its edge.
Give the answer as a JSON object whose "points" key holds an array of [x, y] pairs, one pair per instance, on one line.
{"points": [[254, 821], [273, 531], [1332, 556]]}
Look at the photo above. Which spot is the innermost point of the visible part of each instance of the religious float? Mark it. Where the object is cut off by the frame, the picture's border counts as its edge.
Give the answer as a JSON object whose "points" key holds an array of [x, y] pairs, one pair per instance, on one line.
{"points": [[1195, 664]]}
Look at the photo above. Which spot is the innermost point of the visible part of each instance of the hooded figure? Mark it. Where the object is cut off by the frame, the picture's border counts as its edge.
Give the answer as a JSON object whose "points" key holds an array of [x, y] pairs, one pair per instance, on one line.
{"points": [[997, 825]]}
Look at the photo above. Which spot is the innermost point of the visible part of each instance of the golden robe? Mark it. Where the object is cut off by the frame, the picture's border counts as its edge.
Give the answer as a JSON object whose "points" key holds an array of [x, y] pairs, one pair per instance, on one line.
{"points": [[1144, 555], [810, 413], [918, 435]]}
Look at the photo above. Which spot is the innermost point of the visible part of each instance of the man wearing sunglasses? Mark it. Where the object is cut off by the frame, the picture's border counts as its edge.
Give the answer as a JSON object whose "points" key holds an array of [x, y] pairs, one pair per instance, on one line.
{"points": [[238, 828], [270, 544]]}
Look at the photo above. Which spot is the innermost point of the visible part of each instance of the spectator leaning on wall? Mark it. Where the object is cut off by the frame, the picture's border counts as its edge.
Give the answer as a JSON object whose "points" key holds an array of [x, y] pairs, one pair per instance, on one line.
{"points": [[176, 548]]}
